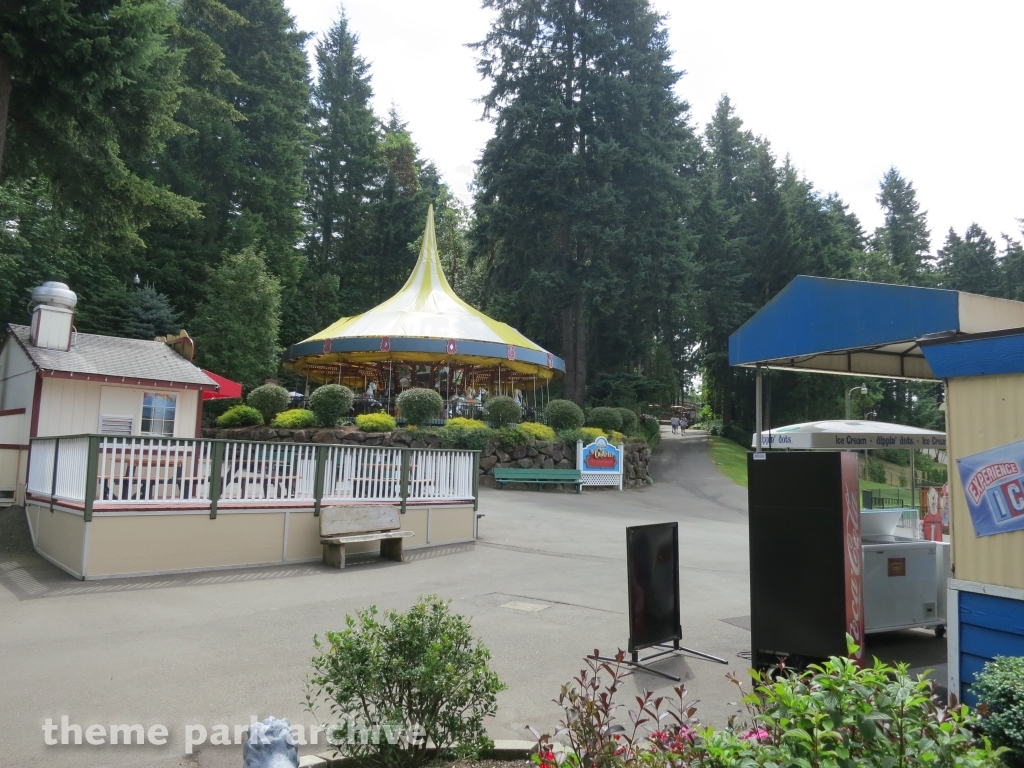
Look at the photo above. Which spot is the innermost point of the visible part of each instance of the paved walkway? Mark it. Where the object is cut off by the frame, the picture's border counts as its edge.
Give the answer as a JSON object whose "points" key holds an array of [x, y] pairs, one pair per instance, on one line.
{"points": [[545, 585]]}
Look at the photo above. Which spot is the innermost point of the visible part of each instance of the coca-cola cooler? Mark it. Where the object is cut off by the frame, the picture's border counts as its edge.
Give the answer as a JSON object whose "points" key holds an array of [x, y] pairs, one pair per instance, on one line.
{"points": [[821, 569]]}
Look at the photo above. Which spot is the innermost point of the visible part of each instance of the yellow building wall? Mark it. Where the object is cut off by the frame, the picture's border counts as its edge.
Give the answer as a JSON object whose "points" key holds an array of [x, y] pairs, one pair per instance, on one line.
{"points": [[73, 407], [983, 412], [58, 535]]}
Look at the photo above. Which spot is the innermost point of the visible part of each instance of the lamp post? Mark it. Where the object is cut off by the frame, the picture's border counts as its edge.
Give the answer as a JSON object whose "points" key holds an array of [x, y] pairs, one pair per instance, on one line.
{"points": [[863, 390]]}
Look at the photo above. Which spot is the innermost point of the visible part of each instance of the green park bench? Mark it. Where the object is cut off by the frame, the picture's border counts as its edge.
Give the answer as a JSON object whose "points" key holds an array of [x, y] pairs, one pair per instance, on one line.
{"points": [[540, 477]]}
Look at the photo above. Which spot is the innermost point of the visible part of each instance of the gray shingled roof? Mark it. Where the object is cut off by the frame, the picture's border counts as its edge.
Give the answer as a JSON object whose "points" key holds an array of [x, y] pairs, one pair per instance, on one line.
{"points": [[112, 356]]}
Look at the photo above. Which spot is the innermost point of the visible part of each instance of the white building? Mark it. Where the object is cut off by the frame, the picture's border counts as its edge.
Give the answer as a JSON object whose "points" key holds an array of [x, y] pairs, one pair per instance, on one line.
{"points": [[57, 382]]}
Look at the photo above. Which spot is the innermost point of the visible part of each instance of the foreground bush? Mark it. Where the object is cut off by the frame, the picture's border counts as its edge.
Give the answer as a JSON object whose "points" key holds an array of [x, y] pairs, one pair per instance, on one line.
{"points": [[422, 667], [376, 422], [269, 400], [563, 414], [419, 405], [465, 438], [330, 403], [606, 419], [240, 416], [502, 411], [630, 422], [1000, 692], [834, 716], [537, 431], [296, 418]]}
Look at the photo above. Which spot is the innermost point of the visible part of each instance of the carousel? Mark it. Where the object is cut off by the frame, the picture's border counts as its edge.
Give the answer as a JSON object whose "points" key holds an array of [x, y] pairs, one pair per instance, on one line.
{"points": [[426, 336]]}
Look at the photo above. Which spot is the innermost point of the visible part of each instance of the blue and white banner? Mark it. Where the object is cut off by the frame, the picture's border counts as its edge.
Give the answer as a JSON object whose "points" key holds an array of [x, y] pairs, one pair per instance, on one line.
{"points": [[994, 486]]}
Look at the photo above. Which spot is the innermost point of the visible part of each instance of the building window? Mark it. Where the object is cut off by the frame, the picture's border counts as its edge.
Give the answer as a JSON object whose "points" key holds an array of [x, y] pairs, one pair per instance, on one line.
{"points": [[158, 414]]}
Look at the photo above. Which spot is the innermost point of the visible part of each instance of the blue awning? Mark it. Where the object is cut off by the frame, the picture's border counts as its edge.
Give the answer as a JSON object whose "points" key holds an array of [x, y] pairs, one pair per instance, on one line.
{"points": [[860, 328], [986, 355]]}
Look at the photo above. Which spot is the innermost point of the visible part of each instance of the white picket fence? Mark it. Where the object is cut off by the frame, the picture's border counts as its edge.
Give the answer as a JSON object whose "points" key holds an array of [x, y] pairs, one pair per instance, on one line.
{"points": [[168, 472]]}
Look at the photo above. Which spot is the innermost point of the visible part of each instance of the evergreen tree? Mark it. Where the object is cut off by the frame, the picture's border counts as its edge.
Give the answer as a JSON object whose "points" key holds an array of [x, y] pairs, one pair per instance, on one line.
{"points": [[344, 162], [970, 263], [903, 240], [236, 327], [1011, 273], [88, 94], [243, 155], [150, 314], [583, 187]]}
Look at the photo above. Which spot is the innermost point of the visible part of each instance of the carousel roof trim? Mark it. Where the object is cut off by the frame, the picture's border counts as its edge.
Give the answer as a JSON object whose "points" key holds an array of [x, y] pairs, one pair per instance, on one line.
{"points": [[424, 318]]}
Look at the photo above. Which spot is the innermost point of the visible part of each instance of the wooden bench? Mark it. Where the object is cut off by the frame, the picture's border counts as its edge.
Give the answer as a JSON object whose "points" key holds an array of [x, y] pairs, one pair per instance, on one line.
{"points": [[340, 525], [540, 477]]}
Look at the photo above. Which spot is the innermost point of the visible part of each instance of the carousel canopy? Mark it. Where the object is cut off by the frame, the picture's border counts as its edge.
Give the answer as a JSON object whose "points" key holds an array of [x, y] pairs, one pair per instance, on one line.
{"points": [[424, 323]]}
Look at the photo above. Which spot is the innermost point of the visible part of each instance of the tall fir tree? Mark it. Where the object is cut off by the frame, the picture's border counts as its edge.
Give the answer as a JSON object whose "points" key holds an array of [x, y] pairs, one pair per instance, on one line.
{"points": [[970, 263], [583, 187], [344, 162], [243, 156], [903, 240]]}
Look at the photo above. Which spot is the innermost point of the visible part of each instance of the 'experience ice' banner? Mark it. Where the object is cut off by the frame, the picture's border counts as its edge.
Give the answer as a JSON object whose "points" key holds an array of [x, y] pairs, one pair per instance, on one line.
{"points": [[994, 486]]}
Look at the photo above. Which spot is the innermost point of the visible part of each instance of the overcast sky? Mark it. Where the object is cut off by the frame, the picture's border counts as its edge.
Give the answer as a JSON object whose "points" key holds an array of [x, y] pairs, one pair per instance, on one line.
{"points": [[847, 89]]}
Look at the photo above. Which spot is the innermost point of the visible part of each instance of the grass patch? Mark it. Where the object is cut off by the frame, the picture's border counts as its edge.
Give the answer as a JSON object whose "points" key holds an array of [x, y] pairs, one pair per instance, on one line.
{"points": [[730, 459]]}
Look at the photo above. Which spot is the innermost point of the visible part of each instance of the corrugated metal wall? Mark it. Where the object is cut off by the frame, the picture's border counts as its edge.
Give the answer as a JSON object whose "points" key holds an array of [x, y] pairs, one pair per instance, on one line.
{"points": [[990, 626], [983, 412]]}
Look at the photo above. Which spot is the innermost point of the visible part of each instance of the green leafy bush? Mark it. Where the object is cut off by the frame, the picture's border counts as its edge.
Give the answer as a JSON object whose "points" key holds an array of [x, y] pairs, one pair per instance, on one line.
{"points": [[502, 411], [461, 421], [465, 438], [418, 405], [834, 716], [563, 414], [269, 400], [1000, 691], [650, 429], [296, 418], [240, 416], [605, 419], [537, 431], [590, 434], [876, 471], [571, 436], [510, 437], [630, 422], [419, 668], [376, 422], [214, 409], [330, 403]]}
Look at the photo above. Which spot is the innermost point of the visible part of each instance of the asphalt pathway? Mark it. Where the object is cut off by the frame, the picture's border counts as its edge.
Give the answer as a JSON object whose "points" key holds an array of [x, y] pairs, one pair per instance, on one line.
{"points": [[545, 585]]}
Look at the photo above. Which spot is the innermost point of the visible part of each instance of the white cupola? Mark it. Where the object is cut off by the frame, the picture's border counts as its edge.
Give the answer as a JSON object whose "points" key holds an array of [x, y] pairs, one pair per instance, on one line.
{"points": [[53, 316]]}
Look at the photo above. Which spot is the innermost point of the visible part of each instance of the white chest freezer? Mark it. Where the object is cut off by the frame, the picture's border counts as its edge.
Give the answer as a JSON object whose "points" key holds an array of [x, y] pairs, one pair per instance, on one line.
{"points": [[904, 583]]}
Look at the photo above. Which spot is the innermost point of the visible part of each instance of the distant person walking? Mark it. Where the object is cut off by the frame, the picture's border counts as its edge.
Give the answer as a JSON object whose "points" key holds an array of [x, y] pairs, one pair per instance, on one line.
{"points": [[675, 424], [684, 423]]}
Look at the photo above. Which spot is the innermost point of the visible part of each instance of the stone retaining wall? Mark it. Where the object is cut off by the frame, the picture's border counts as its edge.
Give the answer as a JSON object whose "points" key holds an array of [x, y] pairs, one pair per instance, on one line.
{"points": [[539, 454]]}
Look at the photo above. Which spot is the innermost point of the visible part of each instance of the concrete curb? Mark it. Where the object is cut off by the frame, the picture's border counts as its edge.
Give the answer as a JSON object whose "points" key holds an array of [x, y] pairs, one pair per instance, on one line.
{"points": [[504, 749]]}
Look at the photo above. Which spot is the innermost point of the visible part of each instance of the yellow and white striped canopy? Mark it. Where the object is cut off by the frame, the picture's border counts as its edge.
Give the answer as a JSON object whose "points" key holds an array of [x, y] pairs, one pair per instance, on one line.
{"points": [[425, 322]]}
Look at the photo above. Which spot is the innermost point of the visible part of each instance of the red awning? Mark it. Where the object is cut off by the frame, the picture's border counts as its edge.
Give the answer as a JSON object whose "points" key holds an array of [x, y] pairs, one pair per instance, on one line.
{"points": [[228, 388]]}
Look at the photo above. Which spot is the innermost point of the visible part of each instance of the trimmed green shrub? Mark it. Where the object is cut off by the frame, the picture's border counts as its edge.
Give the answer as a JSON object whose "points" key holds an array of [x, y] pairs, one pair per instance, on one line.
{"points": [[563, 414], [296, 418], [214, 409], [502, 411], [464, 423], [510, 437], [269, 400], [376, 422], [1000, 691], [402, 670], [876, 471], [330, 402], [630, 422], [605, 419], [419, 405], [571, 436], [590, 434], [537, 431], [240, 416], [465, 438]]}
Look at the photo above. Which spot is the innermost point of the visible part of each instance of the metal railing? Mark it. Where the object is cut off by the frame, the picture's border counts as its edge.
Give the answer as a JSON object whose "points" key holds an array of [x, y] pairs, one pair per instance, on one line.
{"points": [[120, 472]]}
